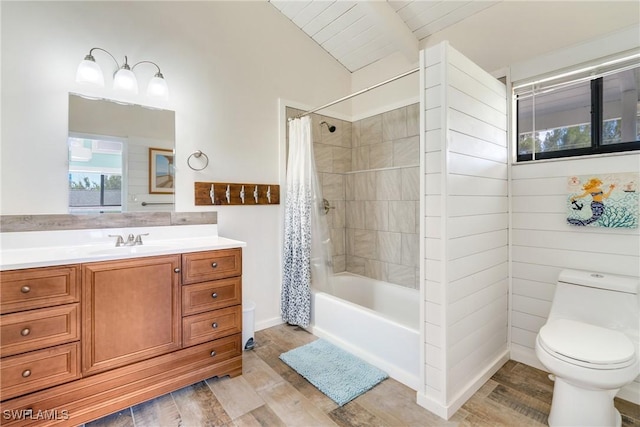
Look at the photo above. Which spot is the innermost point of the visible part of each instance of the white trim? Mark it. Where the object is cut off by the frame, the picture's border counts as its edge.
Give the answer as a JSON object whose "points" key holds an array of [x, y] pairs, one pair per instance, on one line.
{"points": [[268, 323], [527, 356], [447, 411], [583, 53], [284, 103], [422, 387]]}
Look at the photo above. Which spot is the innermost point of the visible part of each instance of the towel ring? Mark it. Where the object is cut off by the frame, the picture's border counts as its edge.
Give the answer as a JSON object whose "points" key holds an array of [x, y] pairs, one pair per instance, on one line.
{"points": [[197, 155]]}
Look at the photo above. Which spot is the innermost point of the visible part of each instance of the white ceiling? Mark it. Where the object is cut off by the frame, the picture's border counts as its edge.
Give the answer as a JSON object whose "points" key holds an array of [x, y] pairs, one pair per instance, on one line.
{"points": [[359, 33]]}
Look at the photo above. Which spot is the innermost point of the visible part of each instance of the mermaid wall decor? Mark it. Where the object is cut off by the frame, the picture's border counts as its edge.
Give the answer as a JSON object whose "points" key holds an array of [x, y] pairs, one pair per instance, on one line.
{"points": [[609, 200]]}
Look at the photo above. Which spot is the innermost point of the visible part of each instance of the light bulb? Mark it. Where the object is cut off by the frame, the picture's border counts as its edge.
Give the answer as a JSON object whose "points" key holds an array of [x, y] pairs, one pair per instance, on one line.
{"points": [[89, 72], [158, 87], [125, 80]]}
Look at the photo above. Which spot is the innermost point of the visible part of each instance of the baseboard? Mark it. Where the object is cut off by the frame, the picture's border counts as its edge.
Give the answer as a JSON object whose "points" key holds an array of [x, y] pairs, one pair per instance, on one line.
{"points": [[447, 411], [264, 324], [526, 355], [432, 406]]}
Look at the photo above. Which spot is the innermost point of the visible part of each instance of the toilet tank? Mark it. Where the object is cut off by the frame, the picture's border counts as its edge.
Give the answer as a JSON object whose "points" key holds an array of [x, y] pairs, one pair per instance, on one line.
{"points": [[599, 299]]}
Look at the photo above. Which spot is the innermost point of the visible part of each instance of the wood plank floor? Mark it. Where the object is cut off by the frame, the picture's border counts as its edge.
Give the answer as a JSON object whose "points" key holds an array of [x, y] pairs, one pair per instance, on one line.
{"points": [[269, 393]]}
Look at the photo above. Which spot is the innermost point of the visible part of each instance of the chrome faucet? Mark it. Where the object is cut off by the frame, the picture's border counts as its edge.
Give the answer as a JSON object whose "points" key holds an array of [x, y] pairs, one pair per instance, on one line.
{"points": [[131, 239], [119, 240], [138, 240]]}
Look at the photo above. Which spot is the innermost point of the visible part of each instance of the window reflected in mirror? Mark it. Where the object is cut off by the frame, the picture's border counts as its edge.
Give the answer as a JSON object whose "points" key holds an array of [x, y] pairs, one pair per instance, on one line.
{"points": [[95, 175]]}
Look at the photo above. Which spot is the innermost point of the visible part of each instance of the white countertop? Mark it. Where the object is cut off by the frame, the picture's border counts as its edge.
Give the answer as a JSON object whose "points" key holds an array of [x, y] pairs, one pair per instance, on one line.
{"points": [[47, 248]]}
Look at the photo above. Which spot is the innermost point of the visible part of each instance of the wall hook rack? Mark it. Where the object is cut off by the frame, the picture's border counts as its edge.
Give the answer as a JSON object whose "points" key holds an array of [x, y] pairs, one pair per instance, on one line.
{"points": [[224, 193]]}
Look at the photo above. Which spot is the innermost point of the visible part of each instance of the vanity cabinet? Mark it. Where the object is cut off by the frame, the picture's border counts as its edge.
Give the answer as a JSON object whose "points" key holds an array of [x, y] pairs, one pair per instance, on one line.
{"points": [[212, 295], [83, 341], [39, 329], [130, 311]]}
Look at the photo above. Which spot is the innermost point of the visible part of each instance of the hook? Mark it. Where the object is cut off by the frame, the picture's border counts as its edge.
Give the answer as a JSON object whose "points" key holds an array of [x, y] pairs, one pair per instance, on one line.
{"points": [[269, 194], [255, 194], [242, 194], [212, 194], [228, 194]]}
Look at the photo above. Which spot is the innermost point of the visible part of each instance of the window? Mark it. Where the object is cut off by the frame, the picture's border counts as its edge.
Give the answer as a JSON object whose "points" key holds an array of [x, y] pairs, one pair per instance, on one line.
{"points": [[584, 115], [95, 175]]}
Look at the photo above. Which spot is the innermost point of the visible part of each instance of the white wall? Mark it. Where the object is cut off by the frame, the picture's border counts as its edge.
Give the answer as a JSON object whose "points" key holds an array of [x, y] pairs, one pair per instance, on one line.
{"points": [[466, 229], [542, 241], [504, 34], [513, 31], [226, 63], [543, 244]]}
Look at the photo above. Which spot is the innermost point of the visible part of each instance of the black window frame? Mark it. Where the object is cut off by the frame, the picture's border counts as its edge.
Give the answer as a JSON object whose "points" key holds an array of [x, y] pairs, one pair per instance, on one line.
{"points": [[596, 147]]}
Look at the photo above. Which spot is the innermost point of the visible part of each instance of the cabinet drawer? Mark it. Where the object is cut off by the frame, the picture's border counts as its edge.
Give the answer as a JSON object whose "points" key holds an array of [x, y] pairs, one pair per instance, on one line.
{"points": [[211, 265], [36, 329], [208, 326], [39, 287], [39, 369], [209, 296]]}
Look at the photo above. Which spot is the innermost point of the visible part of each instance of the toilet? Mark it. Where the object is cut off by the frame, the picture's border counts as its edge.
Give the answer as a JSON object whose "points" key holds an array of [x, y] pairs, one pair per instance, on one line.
{"points": [[590, 343]]}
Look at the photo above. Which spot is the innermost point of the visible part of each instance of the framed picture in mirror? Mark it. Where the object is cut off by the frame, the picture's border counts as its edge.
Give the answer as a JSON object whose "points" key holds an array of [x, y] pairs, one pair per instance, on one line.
{"points": [[161, 171]]}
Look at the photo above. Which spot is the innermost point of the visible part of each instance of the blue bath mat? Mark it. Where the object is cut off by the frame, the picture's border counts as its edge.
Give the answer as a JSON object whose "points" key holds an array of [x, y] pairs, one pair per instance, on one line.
{"points": [[335, 372]]}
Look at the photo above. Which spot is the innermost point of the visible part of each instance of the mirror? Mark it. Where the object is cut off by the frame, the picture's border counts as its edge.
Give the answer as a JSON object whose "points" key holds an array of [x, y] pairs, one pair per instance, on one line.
{"points": [[120, 157]]}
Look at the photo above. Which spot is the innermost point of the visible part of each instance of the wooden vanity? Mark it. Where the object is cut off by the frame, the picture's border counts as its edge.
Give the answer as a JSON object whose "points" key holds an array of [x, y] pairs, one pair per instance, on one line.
{"points": [[82, 341]]}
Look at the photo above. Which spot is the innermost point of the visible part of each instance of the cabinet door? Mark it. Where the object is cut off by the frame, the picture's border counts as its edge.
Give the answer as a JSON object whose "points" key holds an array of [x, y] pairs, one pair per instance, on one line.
{"points": [[130, 311]]}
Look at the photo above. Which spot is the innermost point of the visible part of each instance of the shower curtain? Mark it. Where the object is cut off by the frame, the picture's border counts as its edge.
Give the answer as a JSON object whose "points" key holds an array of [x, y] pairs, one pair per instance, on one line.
{"points": [[306, 242]]}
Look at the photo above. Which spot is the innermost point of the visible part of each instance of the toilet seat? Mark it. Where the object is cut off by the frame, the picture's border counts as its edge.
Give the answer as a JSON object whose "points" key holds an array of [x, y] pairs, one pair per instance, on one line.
{"points": [[587, 345]]}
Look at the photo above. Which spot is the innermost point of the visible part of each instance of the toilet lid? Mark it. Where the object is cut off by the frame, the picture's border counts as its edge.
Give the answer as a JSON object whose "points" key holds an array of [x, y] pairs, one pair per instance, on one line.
{"points": [[587, 343]]}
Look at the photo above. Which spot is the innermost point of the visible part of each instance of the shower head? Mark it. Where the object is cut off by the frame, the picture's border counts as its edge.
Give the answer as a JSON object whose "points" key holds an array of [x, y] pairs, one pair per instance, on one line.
{"points": [[330, 127]]}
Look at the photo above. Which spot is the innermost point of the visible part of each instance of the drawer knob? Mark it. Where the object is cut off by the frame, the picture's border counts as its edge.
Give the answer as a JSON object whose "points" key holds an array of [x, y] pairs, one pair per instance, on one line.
{"points": [[214, 264], [213, 353], [214, 325], [176, 270], [214, 295], [25, 289], [26, 373], [25, 332]]}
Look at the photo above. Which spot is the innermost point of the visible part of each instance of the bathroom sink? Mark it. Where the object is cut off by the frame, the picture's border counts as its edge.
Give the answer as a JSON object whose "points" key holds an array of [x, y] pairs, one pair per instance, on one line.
{"points": [[129, 250]]}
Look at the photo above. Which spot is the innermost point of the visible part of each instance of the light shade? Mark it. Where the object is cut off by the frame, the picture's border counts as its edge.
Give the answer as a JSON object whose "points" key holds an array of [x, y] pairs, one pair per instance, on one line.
{"points": [[89, 72], [125, 80], [158, 87]]}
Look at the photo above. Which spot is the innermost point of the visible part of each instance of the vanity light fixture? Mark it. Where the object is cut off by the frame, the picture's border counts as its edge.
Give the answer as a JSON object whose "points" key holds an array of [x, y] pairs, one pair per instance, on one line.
{"points": [[123, 79]]}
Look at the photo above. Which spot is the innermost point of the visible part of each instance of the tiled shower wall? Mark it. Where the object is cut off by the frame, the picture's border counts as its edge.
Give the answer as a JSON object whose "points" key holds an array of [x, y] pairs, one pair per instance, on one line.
{"points": [[332, 152], [369, 172], [382, 197]]}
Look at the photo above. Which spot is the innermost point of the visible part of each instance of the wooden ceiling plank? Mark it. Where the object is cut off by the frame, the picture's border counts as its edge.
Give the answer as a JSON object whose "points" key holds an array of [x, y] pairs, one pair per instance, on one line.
{"points": [[292, 8], [339, 24], [452, 18], [309, 13], [435, 13], [327, 16]]}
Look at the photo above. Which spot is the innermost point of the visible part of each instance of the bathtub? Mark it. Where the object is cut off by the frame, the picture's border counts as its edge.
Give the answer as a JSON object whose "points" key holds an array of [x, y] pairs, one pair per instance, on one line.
{"points": [[377, 321]]}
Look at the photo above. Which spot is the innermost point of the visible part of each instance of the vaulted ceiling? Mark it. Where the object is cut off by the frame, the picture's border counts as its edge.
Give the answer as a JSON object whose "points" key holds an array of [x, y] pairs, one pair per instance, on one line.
{"points": [[359, 33]]}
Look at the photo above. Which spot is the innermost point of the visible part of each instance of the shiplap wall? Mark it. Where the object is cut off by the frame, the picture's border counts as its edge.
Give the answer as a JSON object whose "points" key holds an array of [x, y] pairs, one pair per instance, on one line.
{"points": [[138, 175], [466, 228], [543, 244]]}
